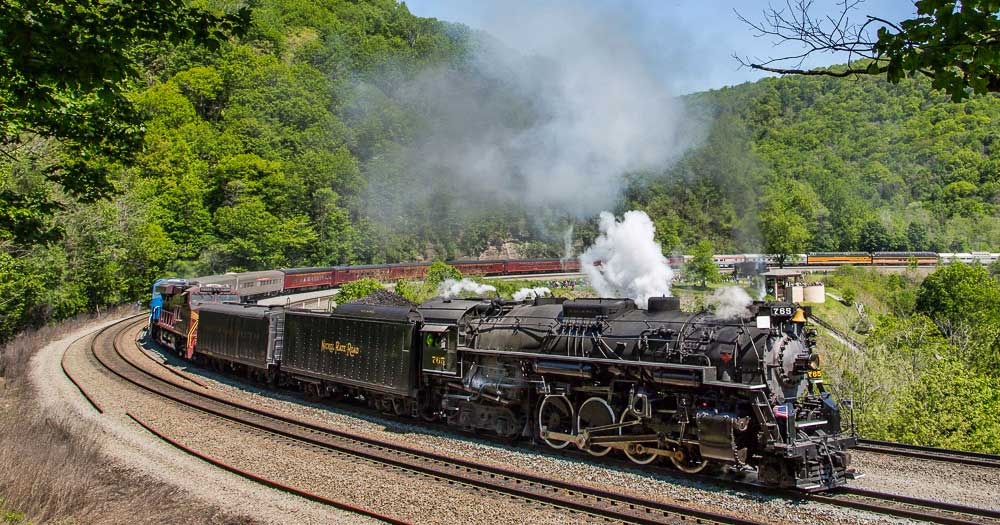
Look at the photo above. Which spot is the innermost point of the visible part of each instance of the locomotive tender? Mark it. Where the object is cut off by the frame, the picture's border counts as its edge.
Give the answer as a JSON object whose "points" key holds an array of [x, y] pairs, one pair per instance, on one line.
{"points": [[599, 374]]}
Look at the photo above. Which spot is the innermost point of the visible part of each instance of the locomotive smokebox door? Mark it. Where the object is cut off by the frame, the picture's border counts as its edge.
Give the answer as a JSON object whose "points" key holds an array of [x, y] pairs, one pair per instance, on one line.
{"points": [[439, 344]]}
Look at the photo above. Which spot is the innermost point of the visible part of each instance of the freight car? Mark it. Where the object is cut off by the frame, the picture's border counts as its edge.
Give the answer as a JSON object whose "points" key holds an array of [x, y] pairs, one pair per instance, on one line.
{"points": [[599, 374]]}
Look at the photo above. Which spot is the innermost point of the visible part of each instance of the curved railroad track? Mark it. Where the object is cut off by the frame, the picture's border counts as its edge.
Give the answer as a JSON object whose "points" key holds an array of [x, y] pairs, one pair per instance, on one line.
{"points": [[191, 393], [574, 497]]}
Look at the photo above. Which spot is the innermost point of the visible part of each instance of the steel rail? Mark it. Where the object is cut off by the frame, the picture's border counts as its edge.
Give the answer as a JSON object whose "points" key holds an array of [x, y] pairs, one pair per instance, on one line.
{"points": [[265, 481], [597, 502], [94, 334], [930, 453], [907, 507], [62, 364]]}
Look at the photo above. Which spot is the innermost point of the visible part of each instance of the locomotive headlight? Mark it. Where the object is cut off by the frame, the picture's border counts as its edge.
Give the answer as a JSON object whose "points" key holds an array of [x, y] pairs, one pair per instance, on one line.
{"points": [[805, 362]]}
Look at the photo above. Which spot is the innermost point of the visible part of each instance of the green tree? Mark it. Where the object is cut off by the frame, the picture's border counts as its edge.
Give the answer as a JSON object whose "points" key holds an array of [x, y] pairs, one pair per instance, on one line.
{"points": [[916, 237], [959, 293], [789, 210], [951, 407], [994, 269], [408, 290], [702, 266], [785, 232], [439, 272], [358, 289], [874, 237], [65, 68], [254, 239], [964, 301]]}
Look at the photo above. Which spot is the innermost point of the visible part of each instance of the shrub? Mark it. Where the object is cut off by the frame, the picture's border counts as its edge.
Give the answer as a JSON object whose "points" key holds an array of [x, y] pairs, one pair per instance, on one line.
{"points": [[440, 272], [358, 289]]}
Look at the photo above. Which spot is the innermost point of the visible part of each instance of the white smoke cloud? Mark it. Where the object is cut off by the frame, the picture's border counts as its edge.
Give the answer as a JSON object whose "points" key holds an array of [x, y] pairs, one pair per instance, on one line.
{"points": [[730, 302], [632, 262], [452, 288], [531, 293], [557, 126], [567, 245]]}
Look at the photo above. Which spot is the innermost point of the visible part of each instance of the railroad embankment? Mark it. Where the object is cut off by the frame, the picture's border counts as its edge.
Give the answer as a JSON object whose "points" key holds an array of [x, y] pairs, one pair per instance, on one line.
{"points": [[52, 466]]}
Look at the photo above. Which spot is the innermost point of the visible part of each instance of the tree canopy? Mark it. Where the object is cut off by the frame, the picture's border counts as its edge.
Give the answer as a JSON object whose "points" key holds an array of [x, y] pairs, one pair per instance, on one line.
{"points": [[66, 68], [953, 43], [702, 265]]}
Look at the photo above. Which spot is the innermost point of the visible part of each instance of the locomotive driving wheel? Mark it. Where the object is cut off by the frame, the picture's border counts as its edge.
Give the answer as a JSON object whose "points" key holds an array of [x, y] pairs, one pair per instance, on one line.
{"points": [[689, 460], [595, 412], [555, 414]]}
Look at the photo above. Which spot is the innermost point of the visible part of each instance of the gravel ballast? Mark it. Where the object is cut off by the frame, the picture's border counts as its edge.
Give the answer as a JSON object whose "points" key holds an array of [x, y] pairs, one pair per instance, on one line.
{"points": [[406, 495], [624, 478]]}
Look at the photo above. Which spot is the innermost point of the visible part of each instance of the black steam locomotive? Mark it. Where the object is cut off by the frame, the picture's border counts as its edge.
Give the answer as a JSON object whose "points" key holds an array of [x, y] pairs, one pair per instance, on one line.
{"points": [[600, 374]]}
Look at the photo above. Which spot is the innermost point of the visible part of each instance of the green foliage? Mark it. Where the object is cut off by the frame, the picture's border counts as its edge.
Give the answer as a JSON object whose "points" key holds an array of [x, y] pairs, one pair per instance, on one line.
{"points": [[849, 296], [908, 385], [964, 301], [799, 164], [951, 407], [959, 293], [702, 266], [408, 289], [358, 289], [12, 518], [439, 272], [65, 68], [954, 45], [791, 207]]}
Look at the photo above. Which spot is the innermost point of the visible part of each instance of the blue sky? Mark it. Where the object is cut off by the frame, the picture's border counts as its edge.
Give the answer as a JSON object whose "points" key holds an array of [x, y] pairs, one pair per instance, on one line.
{"points": [[689, 43]]}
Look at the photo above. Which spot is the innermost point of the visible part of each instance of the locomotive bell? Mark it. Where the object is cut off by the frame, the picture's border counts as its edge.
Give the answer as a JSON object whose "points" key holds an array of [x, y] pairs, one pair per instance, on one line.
{"points": [[800, 316]]}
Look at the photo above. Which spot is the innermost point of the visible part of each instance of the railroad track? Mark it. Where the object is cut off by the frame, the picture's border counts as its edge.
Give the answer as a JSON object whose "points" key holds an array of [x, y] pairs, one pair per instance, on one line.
{"points": [[907, 507], [182, 389], [936, 454], [599, 503]]}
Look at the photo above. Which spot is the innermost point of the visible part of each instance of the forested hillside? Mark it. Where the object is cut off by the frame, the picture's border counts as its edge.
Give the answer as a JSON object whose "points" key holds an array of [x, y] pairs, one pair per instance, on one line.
{"points": [[807, 163], [296, 143]]}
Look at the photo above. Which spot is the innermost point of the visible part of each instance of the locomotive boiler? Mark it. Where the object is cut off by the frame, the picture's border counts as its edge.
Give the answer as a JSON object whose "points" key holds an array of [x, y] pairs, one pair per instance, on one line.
{"points": [[602, 375]]}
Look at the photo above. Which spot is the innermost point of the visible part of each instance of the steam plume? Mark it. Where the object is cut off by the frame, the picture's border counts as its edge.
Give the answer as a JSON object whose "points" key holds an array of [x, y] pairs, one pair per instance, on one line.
{"points": [[632, 262], [730, 302], [531, 293], [567, 246], [451, 288]]}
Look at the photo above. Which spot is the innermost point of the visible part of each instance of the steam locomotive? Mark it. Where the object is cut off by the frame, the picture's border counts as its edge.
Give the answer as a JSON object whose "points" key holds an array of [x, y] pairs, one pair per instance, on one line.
{"points": [[602, 375]]}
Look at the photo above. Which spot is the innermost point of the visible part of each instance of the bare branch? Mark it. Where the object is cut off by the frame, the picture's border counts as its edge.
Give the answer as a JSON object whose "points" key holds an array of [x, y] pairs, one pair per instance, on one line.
{"points": [[833, 34], [817, 72]]}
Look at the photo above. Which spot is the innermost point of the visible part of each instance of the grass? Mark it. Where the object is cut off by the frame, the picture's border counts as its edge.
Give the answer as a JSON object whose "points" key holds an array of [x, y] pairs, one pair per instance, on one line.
{"points": [[52, 470]]}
